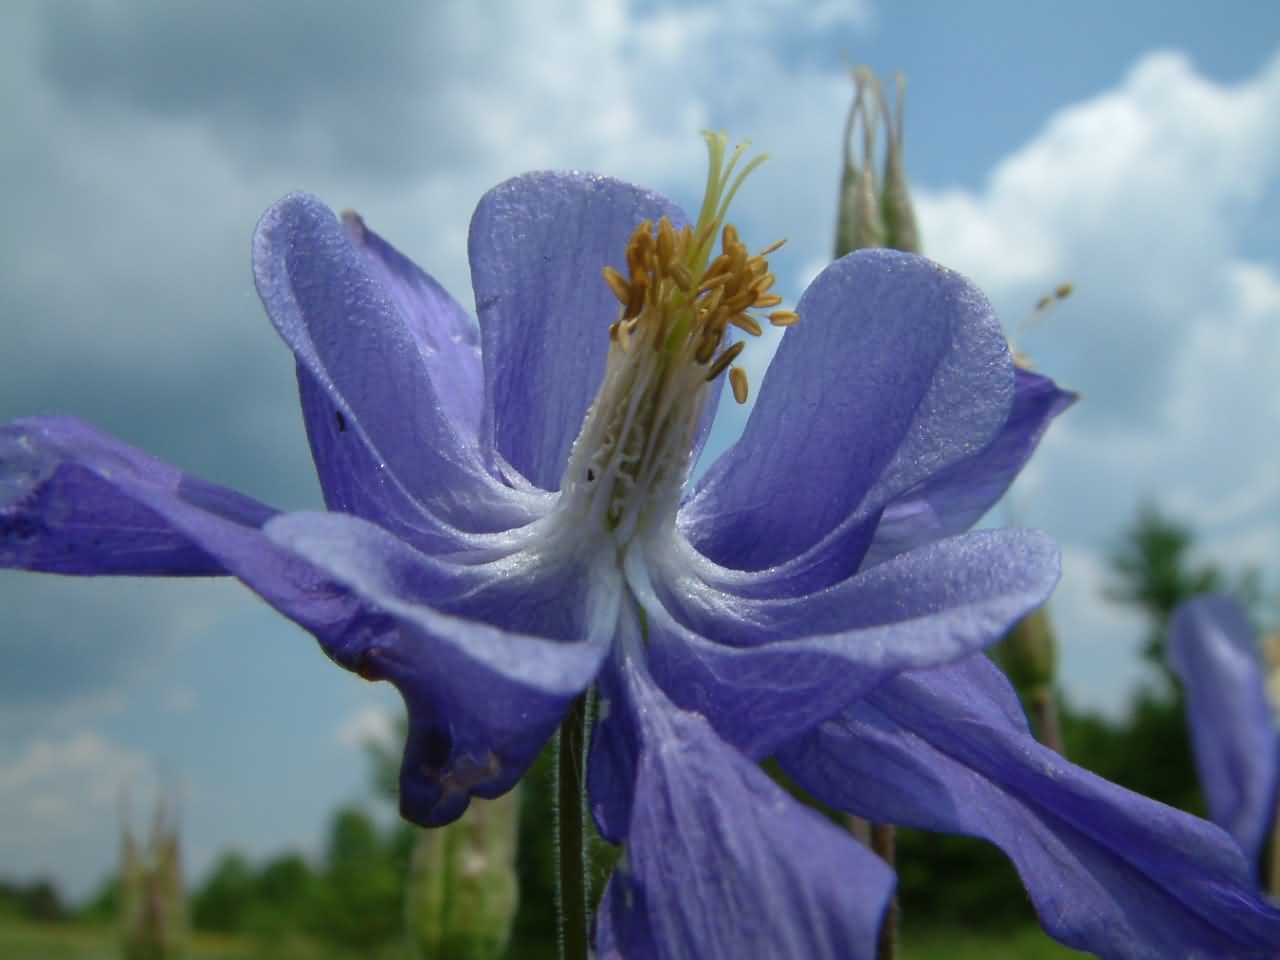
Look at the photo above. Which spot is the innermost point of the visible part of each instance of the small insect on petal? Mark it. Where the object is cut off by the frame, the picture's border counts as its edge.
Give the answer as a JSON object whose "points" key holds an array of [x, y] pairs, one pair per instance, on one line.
{"points": [[738, 381]]}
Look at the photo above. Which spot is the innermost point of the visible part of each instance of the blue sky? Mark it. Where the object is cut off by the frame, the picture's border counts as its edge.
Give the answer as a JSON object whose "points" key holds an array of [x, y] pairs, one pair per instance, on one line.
{"points": [[1127, 149]]}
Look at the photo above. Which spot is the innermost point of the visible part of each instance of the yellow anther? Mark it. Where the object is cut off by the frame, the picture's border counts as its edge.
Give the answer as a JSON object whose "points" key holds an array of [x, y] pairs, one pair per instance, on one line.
{"points": [[762, 284], [738, 381], [711, 303], [1063, 290], [684, 241], [719, 266], [776, 245], [681, 275], [635, 298], [706, 349], [729, 237], [618, 285], [740, 301], [784, 318], [768, 300], [714, 283], [748, 323], [666, 243], [722, 362]]}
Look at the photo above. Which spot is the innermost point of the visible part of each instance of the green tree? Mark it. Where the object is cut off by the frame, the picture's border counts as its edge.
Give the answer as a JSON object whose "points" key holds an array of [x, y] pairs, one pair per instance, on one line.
{"points": [[1155, 572], [361, 897], [1151, 752], [225, 900], [284, 899]]}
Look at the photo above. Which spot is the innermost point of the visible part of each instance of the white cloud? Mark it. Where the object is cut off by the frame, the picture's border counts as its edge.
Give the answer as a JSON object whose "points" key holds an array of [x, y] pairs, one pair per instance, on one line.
{"points": [[179, 699], [57, 790], [1099, 642], [1138, 196], [369, 726]]}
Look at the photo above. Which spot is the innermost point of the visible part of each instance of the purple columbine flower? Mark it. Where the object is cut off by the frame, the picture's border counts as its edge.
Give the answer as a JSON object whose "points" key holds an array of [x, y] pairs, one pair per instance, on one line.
{"points": [[511, 522], [1214, 652]]}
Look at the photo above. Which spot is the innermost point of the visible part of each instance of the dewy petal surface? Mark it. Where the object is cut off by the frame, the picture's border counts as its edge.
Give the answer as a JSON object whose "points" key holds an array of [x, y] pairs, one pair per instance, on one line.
{"points": [[1213, 651], [74, 500], [1109, 871], [897, 370], [538, 244], [448, 340], [765, 671], [348, 335], [955, 498], [482, 700], [720, 863]]}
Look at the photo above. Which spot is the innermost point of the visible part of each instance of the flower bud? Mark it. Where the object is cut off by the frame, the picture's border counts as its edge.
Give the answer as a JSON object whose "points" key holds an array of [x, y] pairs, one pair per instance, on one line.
{"points": [[463, 893], [1028, 653], [901, 232], [858, 223], [152, 904]]}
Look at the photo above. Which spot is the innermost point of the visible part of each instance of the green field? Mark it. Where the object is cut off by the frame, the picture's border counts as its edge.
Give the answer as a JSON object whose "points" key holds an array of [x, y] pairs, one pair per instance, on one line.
{"points": [[73, 942]]}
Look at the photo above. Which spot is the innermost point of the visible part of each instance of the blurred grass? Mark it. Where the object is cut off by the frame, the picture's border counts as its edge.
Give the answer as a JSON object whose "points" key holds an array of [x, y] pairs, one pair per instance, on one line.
{"points": [[1024, 943], [20, 941]]}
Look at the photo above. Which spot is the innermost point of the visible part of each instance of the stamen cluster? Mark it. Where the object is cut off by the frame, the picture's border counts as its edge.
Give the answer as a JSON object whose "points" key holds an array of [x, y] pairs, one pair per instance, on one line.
{"points": [[678, 299], [684, 311]]}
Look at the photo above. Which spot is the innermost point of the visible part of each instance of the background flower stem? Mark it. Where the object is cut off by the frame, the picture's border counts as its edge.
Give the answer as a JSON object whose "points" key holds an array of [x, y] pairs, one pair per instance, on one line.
{"points": [[1044, 709], [882, 842], [572, 885]]}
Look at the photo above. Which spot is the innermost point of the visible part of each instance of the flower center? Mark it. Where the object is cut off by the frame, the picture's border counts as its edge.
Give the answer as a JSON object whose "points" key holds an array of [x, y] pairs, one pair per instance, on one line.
{"points": [[670, 341]]}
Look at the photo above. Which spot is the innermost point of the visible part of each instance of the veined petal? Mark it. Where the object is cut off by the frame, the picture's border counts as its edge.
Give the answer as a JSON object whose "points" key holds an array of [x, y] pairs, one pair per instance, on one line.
{"points": [[1213, 651], [720, 863], [1109, 871], [74, 500], [538, 244], [954, 499], [367, 359], [763, 671], [897, 370], [448, 340], [482, 699]]}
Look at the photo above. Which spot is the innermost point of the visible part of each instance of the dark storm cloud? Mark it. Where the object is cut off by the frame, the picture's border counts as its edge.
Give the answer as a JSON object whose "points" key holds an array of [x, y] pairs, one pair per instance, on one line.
{"points": [[324, 84], [66, 640]]}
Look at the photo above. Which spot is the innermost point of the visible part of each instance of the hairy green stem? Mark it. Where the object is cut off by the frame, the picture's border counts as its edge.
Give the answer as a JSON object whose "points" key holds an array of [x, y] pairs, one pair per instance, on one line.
{"points": [[572, 888], [1273, 878]]}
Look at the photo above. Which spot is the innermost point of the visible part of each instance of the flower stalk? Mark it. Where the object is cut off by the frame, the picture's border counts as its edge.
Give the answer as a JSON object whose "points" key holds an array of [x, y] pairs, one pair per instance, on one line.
{"points": [[571, 887]]}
